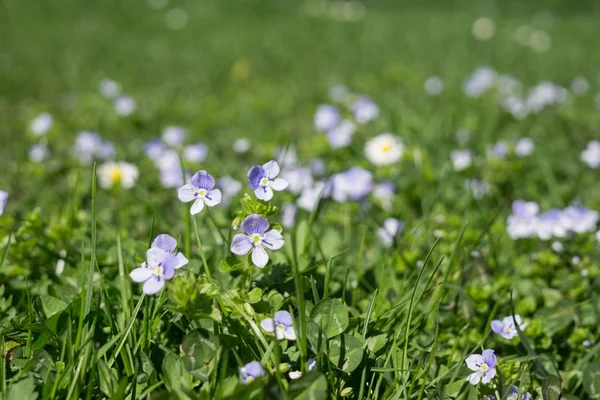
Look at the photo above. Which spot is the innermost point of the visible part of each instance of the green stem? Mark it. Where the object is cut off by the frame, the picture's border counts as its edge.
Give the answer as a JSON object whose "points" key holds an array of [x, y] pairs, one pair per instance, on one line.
{"points": [[202, 256]]}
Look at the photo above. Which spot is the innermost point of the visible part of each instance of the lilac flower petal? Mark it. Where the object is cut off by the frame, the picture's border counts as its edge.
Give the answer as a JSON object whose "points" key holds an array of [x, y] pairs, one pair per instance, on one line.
{"points": [[165, 242], [187, 193], [489, 358], [264, 193], [203, 180], [289, 333], [255, 174], [474, 361], [267, 324], [279, 184], [284, 318], [488, 375], [153, 285], [254, 369], [181, 260], [155, 256], [497, 326], [255, 224], [197, 206], [272, 169], [169, 264], [260, 258], [140, 274], [279, 333], [273, 240], [241, 244], [474, 378], [212, 198]]}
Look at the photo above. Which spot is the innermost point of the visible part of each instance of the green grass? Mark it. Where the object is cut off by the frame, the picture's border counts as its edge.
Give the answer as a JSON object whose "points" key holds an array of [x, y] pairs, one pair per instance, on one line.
{"points": [[381, 322]]}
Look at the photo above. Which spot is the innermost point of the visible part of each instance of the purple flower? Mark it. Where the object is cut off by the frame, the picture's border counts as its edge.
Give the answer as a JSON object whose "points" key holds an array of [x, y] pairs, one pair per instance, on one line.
{"points": [[514, 394], [506, 328], [3, 200], [354, 184], [201, 191], [326, 117], [549, 225], [154, 148], [364, 110], [281, 324], [299, 178], [173, 135], [311, 366], [195, 152], [522, 223], [263, 180], [579, 219], [251, 371], [161, 263], [255, 239], [341, 135], [483, 367]]}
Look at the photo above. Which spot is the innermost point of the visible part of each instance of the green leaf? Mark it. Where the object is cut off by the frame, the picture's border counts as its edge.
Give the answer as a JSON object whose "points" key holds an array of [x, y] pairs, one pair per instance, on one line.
{"points": [[551, 388], [174, 373], [22, 390], [346, 352], [254, 296], [199, 349], [312, 386], [331, 315], [229, 264], [591, 380], [376, 343], [51, 305]]}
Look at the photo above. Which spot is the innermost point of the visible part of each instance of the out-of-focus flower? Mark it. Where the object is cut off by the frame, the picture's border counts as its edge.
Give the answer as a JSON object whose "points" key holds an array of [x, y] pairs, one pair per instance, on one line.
{"points": [[384, 149], [479, 82], [109, 88], [288, 215], [195, 153], [544, 94], [161, 263], [549, 224], [229, 188], [354, 185], [499, 150], [327, 117], [483, 28], [117, 173], [311, 366], [90, 146], [579, 219], [41, 124], [580, 86], [506, 327], [462, 137], [461, 159], [434, 85], [591, 154], [483, 367], [255, 238], [154, 149], [310, 197], [125, 105], [38, 153], [338, 93], [384, 193], [514, 394], [317, 167], [364, 110], [241, 145], [524, 147], [522, 222], [299, 179], [341, 135], [251, 371], [201, 191], [388, 232], [478, 187], [281, 324], [263, 180], [173, 135], [3, 200]]}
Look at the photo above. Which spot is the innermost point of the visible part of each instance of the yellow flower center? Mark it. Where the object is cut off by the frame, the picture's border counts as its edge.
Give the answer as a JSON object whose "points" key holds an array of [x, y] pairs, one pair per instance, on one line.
{"points": [[201, 192], [264, 181], [386, 147], [116, 174], [484, 367], [255, 238], [281, 327], [158, 271]]}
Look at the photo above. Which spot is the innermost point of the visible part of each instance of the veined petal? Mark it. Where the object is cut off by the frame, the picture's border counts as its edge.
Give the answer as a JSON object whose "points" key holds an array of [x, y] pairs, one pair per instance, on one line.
{"points": [[260, 258], [155, 256], [279, 184], [474, 361], [267, 325], [165, 242], [212, 198], [140, 274], [187, 193], [255, 174], [283, 318], [203, 180], [169, 264], [255, 224], [497, 326], [488, 375], [241, 244], [272, 169], [153, 285], [197, 206], [489, 357], [289, 333], [273, 240], [264, 193]]}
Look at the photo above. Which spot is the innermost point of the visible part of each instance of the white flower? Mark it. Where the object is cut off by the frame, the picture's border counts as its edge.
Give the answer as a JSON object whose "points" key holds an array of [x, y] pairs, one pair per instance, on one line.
{"points": [[38, 153], [384, 149], [390, 229], [195, 153], [173, 135], [41, 124], [434, 85], [479, 82], [125, 105], [326, 117], [461, 159], [524, 147], [241, 145], [109, 88], [117, 173], [341, 135], [3, 200], [201, 191], [591, 155]]}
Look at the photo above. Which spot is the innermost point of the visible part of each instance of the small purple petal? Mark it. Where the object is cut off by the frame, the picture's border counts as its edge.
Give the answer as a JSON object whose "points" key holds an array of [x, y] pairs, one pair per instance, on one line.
{"points": [[169, 264], [165, 242], [241, 244], [497, 326], [255, 224], [489, 358], [283, 317], [203, 180], [268, 324], [255, 174]]}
